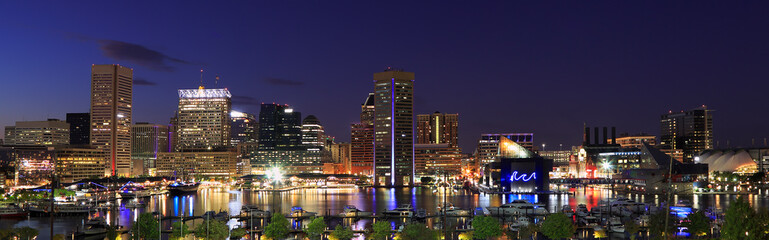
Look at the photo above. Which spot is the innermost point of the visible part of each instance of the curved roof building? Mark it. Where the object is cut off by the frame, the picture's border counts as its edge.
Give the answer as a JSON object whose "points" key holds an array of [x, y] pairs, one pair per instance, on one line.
{"points": [[738, 161]]}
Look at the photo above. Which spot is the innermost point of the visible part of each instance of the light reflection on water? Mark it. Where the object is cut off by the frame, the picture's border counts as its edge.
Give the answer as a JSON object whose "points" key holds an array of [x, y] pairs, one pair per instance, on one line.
{"points": [[332, 201]]}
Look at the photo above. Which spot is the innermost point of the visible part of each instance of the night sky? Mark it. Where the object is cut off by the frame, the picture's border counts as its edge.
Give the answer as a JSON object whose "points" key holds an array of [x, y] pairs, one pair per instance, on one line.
{"points": [[546, 68]]}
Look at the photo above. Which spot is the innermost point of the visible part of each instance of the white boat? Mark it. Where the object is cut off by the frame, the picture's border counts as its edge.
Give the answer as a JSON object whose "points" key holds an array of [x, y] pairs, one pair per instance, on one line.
{"points": [[589, 221], [352, 211], [134, 204], [518, 207], [582, 210], [642, 220], [12, 211], [566, 210], [63, 208], [450, 210], [615, 225], [297, 211], [622, 211], [522, 221], [405, 210]]}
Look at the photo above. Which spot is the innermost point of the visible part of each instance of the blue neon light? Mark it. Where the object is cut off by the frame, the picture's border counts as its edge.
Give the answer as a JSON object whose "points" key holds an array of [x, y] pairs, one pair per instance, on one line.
{"points": [[523, 177]]}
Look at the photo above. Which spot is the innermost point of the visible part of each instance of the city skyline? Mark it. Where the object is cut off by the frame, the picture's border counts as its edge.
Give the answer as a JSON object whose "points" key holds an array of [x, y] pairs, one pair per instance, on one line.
{"points": [[561, 85]]}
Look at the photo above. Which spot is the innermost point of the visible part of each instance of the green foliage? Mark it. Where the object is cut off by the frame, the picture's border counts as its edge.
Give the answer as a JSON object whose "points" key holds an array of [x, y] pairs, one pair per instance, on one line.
{"points": [[145, 228], [343, 233], [418, 231], [315, 228], [381, 230], [179, 230], [212, 229], [7, 234], [657, 225], [26, 233], [558, 226], [485, 227], [528, 231], [697, 223], [278, 227], [238, 233], [58, 237], [632, 228], [742, 222], [112, 233]]}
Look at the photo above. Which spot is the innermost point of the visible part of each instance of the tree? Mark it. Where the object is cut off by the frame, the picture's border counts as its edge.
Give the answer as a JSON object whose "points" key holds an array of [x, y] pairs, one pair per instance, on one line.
{"points": [[238, 233], [7, 234], [112, 233], [632, 228], [278, 227], [528, 231], [315, 228], [26, 233], [485, 227], [382, 230], [145, 228], [59, 237], [418, 231], [742, 222], [558, 226], [179, 230], [343, 233], [212, 229], [657, 225], [697, 224]]}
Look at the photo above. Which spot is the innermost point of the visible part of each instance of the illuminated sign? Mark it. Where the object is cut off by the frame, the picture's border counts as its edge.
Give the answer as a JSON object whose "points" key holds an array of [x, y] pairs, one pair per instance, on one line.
{"points": [[523, 177]]}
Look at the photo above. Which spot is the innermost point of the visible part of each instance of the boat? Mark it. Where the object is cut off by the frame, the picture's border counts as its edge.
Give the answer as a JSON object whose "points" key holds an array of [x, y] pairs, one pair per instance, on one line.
{"points": [[182, 188], [420, 213], [589, 221], [134, 204], [352, 211], [566, 210], [449, 210], [582, 210], [518, 207], [254, 211], [297, 211], [95, 228], [12, 211], [221, 215], [405, 210], [615, 225], [60, 208], [479, 211], [522, 221]]}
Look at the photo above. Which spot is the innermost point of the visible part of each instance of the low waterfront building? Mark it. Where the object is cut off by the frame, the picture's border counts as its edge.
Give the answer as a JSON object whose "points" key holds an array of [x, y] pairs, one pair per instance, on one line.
{"points": [[204, 164], [437, 159], [28, 133], [75, 164]]}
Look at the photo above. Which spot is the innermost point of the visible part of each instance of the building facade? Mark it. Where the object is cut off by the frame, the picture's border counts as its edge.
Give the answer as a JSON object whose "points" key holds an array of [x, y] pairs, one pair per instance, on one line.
{"points": [[362, 140], [488, 146], [437, 160], [438, 128], [147, 140], [79, 128], [203, 119], [28, 133], [313, 134], [393, 128], [636, 141], [193, 164], [340, 154], [75, 164], [111, 104], [690, 131]]}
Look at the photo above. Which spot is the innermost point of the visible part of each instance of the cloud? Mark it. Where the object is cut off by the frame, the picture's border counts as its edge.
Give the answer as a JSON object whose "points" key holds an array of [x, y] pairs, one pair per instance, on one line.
{"points": [[245, 100], [138, 54], [143, 82], [283, 82]]}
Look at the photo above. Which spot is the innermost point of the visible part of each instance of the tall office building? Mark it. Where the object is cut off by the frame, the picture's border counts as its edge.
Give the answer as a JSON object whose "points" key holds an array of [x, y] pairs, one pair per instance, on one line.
{"points": [[488, 146], [79, 128], [147, 140], [437, 128], [313, 134], [203, 119], [27, 133], [362, 139], [690, 131], [244, 127], [393, 128], [111, 101], [280, 128]]}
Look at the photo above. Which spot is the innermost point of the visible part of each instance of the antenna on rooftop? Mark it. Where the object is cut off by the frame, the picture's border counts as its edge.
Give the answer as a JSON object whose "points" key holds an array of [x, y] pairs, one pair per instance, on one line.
{"points": [[201, 78], [216, 82]]}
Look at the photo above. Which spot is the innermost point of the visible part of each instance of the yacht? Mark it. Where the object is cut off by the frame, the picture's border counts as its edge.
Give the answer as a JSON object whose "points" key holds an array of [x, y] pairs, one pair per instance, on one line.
{"points": [[60, 208], [95, 228], [522, 221], [518, 207], [297, 211], [566, 210], [134, 204], [352, 211], [405, 210], [582, 210], [182, 188], [479, 211], [615, 225], [450, 210], [11, 211], [589, 221]]}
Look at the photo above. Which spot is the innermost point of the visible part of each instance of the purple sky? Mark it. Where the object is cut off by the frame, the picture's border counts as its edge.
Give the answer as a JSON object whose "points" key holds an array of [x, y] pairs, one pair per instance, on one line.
{"points": [[545, 68]]}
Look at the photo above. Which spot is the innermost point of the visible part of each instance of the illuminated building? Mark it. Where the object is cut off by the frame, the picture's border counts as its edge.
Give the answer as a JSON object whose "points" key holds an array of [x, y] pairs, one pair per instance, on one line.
{"points": [[340, 154], [245, 134], [690, 131], [312, 134], [437, 159], [635, 141], [111, 102], [561, 161], [79, 128], [203, 119], [33, 165], [205, 164], [437, 128], [51, 132], [280, 142], [75, 164], [362, 140], [517, 170], [147, 140], [393, 128], [488, 145]]}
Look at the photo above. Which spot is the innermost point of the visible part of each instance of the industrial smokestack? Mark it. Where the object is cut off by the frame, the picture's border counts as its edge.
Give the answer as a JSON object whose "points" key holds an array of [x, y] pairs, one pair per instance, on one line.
{"points": [[596, 136], [605, 138], [613, 135], [586, 137]]}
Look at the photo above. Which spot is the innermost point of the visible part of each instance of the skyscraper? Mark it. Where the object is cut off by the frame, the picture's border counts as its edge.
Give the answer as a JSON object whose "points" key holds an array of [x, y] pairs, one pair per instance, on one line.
{"points": [[393, 128], [79, 128], [244, 128], [28, 133], [147, 140], [312, 133], [362, 139], [111, 101], [437, 128], [690, 131], [203, 119], [280, 142]]}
